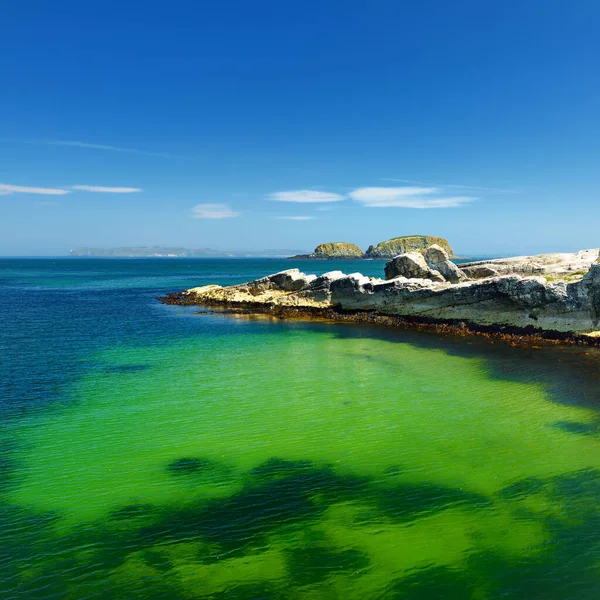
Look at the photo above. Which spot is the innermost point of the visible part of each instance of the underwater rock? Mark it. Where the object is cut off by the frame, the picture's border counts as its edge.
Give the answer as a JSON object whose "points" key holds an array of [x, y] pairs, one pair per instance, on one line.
{"points": [[195, 466]]}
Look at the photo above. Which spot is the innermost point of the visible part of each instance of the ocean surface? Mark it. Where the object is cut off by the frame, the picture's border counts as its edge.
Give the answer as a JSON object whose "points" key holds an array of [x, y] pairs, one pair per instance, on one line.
{"points": [[151, 451]]}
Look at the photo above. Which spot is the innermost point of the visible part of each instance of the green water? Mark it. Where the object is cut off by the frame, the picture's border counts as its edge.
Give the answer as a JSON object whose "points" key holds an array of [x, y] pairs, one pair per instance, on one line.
{"points": [[416, 444], [258, 459]]}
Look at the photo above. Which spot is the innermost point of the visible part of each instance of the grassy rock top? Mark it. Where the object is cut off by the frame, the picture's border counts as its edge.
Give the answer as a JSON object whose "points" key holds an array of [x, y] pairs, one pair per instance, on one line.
{"points": [[337, 249], [406, 243]]}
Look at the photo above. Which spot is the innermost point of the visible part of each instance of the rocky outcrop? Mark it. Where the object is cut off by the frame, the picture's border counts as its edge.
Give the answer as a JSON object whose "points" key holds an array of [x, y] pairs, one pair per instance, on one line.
{"points": [[437, 258], [569, 266], [504, 301], [332, 250], [407, 243], [476, 271], [411, 265], [432, 263]]}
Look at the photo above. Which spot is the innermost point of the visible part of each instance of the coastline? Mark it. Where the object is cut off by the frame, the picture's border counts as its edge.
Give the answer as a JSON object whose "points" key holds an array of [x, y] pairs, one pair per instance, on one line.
{"points": [[515, 336], [529, 300]]}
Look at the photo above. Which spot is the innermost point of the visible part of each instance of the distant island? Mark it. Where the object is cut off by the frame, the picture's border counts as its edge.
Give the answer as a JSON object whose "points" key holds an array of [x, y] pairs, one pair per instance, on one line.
{"points": [[175, 252], [383, 250]]}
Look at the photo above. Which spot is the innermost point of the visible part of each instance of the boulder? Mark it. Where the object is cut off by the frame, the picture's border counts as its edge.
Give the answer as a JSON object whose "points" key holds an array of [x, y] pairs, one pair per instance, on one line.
{"points": [[291, 280], [478, 272], [411, 265], [437, 259], [592, 281]]}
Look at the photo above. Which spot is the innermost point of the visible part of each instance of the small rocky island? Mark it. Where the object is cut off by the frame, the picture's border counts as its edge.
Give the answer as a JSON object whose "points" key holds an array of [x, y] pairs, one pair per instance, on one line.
{"points": [[333, 250], [556, 296], [383, 250]]}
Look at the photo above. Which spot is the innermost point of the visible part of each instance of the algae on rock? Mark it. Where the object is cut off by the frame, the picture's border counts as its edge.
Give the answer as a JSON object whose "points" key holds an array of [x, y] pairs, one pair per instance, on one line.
{"points": [[407, 243], [338, 249]]}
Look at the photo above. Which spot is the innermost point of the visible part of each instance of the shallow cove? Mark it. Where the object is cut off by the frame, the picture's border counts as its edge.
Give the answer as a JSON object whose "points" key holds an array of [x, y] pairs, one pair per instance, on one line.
{"points": [[289, 460]]}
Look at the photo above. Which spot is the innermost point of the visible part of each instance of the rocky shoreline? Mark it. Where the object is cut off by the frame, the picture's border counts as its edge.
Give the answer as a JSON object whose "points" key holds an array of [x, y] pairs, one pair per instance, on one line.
{"points": [[425, 290]]}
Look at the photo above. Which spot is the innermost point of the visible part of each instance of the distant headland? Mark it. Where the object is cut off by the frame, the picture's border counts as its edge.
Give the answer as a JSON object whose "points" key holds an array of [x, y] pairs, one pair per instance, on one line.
{"points": [[383, 250], [175, 252]]}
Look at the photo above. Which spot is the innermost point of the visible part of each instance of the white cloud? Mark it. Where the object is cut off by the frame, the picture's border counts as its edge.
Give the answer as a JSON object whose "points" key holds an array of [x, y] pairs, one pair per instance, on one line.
{"points": [[213, 211], [323, 208], [6, 189], [295, 218], [463, 187], [107, 190], [406, 197], [98, 147], [306, 196]]}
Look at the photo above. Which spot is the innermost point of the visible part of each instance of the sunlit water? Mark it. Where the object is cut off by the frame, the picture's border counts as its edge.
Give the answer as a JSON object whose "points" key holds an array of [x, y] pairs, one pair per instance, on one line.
{"points": [[153, 452]]}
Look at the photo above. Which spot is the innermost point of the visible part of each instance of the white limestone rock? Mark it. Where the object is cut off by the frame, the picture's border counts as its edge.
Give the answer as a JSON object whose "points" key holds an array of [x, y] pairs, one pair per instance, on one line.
{"points": [[411, 265], [437, 259]]}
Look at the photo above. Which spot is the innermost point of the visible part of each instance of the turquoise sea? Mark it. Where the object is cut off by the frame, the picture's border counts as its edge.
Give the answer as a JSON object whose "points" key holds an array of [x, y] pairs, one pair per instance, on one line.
{"points": [[151, 451]]}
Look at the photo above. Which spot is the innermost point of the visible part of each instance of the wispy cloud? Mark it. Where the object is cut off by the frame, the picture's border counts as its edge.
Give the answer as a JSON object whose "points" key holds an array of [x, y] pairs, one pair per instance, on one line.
{"points": [[106, 190], [407, 197], [75, 144], [6, 189], [213, 211], [295, 218], [324, 208], [306, 196], [462, 187]]}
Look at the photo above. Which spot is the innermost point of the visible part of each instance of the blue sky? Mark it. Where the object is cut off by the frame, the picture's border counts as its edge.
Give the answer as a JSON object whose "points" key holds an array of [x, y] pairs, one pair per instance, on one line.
{"points": [[269, 124]]}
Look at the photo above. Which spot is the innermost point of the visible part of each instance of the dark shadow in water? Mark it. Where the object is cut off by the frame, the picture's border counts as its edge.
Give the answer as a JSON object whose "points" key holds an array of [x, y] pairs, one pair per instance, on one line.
{"points": [[193, 466], [316, 563], [23, 538], [405, 502], [286, 494], [157, 560], [578, 428], [125, 368], [133, 511], [278, 468], [566, 568], [200, 470]]}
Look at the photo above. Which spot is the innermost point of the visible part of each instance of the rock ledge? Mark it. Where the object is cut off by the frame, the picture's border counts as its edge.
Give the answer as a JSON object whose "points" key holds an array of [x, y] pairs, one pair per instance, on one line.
{"points": [[513, 300]]}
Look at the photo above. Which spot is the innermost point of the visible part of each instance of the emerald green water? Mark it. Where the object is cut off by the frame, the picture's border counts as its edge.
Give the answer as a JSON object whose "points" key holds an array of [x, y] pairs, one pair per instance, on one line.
{"points": [[260, 459]]}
